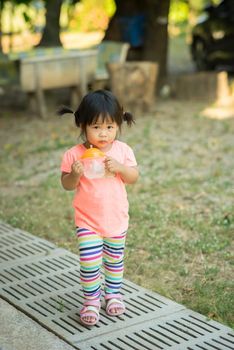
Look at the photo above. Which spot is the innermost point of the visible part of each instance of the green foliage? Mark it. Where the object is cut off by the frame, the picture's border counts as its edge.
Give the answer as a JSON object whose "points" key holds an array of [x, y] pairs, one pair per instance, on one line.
{"points": [[178, 12], [179, 9], [198, 5], [91, 15]]}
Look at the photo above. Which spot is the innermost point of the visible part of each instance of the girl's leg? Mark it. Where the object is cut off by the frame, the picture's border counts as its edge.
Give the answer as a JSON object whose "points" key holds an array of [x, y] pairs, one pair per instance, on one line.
{"points": [[113, 255], [90, 251]]}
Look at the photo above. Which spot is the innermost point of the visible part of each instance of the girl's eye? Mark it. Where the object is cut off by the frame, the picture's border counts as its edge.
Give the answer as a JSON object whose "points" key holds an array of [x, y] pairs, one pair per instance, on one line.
{"points": [[95, 127], [110, 127]]}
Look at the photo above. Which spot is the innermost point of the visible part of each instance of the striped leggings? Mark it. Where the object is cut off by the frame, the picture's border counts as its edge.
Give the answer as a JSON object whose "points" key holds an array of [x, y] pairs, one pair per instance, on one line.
{"points": [[97, 252]]}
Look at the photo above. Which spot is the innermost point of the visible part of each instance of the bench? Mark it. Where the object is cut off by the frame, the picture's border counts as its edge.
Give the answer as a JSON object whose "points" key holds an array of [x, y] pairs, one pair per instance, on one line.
{"points": [[39, 52], [109, 52], [48, 68], [74, 69]]}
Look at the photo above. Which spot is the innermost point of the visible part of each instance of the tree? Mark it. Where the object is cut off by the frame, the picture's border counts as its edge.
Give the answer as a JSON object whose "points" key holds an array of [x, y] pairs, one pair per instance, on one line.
{"points": [[155, 43], [156, 39], [2, 3], [51, 31]]}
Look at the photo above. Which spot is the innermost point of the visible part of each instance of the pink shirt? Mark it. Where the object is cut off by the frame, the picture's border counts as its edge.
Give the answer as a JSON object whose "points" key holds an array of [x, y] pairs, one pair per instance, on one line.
{"points": [[101, 205]]}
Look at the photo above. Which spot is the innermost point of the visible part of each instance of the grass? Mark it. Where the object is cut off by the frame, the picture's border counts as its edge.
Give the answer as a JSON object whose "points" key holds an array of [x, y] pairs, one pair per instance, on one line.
{"points": [[180, 239]]}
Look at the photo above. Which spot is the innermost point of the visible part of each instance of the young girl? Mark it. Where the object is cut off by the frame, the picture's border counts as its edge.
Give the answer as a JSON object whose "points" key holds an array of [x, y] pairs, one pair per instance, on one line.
{"points": [[101, 205]]}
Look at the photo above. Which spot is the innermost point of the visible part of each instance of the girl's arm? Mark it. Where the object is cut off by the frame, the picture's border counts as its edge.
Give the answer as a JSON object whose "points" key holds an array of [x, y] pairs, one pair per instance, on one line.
{"points": [[129, 174], [71, 180]]}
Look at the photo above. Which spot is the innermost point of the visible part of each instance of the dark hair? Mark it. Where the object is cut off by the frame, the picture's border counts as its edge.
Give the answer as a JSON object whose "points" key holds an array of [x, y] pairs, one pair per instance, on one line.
{"points": [[95, 104]]}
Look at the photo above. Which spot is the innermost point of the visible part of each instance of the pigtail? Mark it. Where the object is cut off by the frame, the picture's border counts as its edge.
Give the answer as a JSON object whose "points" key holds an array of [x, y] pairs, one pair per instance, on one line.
{"points": [[128, 117], [63, 110]]}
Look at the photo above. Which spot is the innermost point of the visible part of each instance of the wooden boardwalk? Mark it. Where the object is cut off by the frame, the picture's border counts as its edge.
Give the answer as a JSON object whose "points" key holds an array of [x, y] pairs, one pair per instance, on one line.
{"points": [[42, 280]]}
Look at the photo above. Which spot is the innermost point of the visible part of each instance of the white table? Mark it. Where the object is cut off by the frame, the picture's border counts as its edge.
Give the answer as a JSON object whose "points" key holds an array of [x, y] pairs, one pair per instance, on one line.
{"points": [[73, 69]]}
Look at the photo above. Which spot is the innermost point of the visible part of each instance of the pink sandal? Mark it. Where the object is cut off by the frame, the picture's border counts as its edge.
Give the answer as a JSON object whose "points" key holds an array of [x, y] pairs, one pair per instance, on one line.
{"points": [[90, 309], [114, 301]]}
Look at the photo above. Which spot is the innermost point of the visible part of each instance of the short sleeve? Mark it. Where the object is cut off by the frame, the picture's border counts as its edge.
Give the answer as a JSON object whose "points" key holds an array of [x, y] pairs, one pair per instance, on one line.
{"points": [[130, 159], [67, 161]]}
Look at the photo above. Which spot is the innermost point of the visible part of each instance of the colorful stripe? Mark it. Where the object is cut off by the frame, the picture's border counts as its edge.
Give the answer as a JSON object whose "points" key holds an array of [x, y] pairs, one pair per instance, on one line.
{"points": [[97, 252]]}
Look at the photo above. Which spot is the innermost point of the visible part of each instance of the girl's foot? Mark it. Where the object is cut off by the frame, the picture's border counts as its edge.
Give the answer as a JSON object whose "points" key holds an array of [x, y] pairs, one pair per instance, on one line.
{"points": [[89, 314], [114, 305]]}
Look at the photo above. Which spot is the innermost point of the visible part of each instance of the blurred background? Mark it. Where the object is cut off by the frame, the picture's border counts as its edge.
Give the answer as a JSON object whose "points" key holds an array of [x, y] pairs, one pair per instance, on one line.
{"points": [[181, 35]]}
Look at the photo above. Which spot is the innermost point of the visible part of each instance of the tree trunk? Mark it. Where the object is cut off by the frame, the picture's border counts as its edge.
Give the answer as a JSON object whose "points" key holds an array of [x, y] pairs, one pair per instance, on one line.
{"points": [[141, 77], [123, 8], [156, 39], [155, 43], [51, 32]]}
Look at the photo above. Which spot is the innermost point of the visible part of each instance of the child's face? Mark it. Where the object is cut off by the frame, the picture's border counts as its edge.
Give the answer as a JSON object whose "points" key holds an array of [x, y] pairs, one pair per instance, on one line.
{"points": [[102, 134]]}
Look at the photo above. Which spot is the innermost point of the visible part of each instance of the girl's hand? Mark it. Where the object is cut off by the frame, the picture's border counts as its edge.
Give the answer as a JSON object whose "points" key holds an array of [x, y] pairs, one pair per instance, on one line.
{"points": [[129, 174], [112, 165], [77, 168]]}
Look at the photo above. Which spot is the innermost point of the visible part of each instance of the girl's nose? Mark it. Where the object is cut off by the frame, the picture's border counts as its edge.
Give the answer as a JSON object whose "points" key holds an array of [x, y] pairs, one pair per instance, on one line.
{"points": [[103, 132]]}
